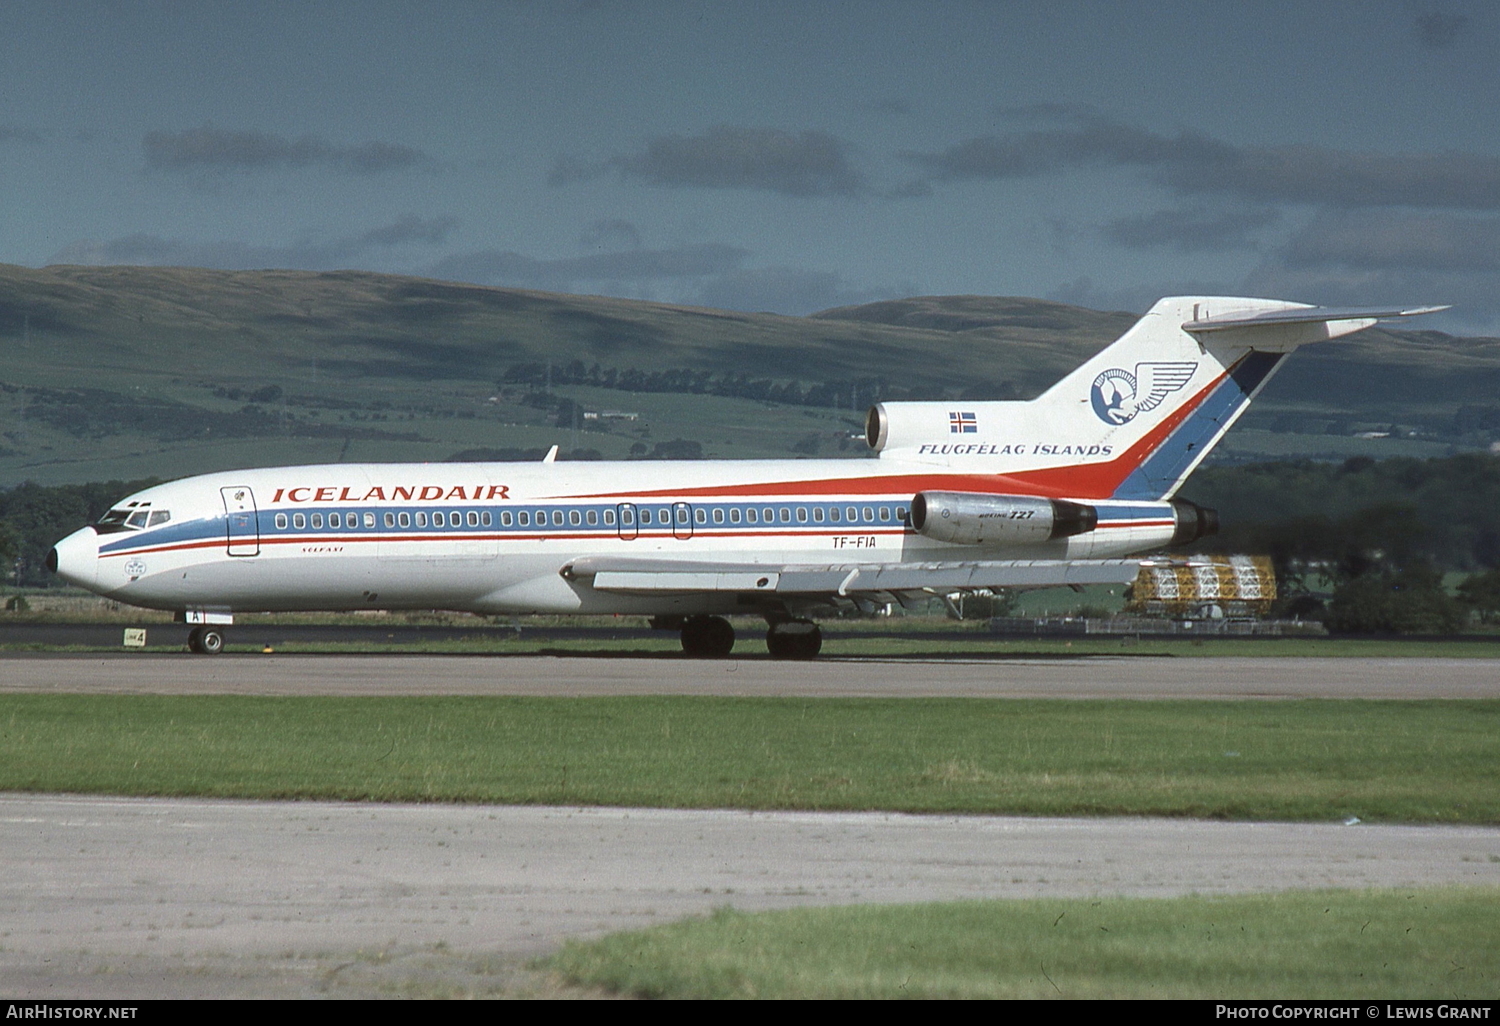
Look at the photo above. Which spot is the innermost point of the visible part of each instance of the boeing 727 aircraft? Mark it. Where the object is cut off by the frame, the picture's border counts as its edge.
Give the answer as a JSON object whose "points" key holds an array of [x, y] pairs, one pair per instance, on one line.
{"points": [[962, 496]]}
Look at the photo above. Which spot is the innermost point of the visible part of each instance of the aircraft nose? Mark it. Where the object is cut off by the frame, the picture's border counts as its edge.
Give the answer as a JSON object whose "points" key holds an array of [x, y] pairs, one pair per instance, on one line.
{"points": [[76, 558]]}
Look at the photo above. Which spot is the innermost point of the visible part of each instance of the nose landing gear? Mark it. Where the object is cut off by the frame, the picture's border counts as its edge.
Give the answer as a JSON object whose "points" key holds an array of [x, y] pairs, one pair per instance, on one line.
{"points": [[206, 640]]}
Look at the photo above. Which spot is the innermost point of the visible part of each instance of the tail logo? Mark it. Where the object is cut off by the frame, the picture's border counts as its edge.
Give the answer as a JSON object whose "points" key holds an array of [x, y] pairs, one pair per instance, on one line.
{"points": [[1119, 395]]}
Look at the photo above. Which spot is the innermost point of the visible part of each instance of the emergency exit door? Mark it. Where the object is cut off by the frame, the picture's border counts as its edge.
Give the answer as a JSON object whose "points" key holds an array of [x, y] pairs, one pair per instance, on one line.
{"points": [[240, 521]]}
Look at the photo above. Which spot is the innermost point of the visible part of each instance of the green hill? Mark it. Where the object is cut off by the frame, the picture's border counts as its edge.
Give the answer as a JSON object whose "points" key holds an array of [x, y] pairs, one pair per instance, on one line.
{"points": [[127, 372]]}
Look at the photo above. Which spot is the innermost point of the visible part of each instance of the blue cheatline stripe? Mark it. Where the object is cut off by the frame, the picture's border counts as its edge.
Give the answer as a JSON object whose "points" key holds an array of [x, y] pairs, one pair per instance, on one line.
{"points": [[1163, 467], [506, 520]]}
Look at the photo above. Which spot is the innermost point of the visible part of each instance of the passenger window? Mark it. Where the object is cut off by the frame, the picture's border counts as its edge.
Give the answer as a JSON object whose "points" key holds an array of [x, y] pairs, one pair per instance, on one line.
{"points": [[390, 520], [404, 519], [786, 515], [421, 519], [369, 519], [769, 515], [335, 521], [484, 518], [901, 513], [574, 517], [750, 515], [523, 518], [818, 514], [473, 518], [557, 518], [645, 516], [833, 514], [505, 518], [593, 517], [299, 521], [317, 521], [885, 513], [718, 515], [734, 515], [281, 521], [801, 514], [869, 514], [161, 516], [852, 514], [609, 517]]}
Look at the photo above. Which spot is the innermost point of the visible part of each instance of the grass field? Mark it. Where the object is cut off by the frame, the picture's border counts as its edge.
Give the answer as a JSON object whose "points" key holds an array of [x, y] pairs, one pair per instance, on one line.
{"points": [[1436, 943], [1431, 762]]}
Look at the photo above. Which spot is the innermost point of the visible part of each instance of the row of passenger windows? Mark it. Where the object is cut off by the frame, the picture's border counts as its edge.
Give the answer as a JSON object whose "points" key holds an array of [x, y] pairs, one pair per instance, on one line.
{"points": [[351, 521], [628, 516]]}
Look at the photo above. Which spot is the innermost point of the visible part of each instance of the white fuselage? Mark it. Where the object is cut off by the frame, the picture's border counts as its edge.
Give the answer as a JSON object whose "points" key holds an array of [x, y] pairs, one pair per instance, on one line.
{"points": [[497, 537]]}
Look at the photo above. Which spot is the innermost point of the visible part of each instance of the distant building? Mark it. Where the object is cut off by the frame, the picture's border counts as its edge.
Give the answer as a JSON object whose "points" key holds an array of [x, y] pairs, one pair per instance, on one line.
{"points": [[1205, 588]]}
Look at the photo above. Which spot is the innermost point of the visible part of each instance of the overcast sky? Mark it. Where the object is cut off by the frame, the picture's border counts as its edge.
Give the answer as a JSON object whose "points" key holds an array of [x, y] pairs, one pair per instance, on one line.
{"points": [[772, 156]]}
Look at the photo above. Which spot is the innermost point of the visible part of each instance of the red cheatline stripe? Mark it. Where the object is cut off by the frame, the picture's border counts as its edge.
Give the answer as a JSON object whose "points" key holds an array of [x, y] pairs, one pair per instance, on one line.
{"points": [[1076, 481]]}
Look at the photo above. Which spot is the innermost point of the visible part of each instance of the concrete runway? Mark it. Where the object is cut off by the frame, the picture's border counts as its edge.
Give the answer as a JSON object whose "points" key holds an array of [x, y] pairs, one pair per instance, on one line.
{"points": [[154, 898], [1143, 677], [151, 898]]}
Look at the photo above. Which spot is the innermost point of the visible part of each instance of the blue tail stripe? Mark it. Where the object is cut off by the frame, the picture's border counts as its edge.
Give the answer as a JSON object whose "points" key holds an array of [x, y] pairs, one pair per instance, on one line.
{"points": [[1163, 467]]}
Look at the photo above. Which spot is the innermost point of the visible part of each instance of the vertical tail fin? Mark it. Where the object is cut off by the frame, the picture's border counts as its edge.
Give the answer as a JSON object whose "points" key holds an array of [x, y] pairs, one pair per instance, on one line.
{"points": [[1136, 419]]}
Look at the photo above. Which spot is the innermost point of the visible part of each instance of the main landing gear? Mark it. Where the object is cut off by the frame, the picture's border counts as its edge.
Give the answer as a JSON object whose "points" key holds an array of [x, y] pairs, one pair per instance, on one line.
{"points": [[712, 637], [206, 640], [794, 639], [707, 637]]}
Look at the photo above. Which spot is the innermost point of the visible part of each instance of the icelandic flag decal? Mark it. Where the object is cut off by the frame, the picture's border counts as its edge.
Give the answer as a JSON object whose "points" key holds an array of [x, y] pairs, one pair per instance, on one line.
{"points": [[962, 423]]}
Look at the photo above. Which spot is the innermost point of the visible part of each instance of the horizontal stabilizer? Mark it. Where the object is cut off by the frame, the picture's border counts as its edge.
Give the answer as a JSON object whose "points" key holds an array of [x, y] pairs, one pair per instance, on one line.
{"points": [[1307, 315]]}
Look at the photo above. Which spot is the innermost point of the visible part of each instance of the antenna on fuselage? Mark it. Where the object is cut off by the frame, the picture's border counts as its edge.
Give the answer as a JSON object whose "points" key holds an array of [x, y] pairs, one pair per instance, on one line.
{"points": [[551, 456]]}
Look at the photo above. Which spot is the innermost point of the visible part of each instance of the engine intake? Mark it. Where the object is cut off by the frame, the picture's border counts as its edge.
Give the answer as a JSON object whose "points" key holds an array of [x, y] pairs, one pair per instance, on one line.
{"points": [[971, 518]]}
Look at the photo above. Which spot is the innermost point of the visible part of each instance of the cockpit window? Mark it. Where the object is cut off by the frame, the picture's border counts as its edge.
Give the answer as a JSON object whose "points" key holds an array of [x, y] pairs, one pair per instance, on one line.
{"points": [[138, 519], [159, 517], [113, 521]]}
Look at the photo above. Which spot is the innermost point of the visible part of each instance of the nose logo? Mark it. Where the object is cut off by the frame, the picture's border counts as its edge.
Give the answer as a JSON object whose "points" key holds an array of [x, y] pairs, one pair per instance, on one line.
{"points": [[135, 568]]}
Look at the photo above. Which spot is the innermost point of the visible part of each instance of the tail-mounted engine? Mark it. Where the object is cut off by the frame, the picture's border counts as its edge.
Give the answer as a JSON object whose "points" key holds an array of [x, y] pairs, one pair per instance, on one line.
{"points": [[1193, 521], [970, 518]]}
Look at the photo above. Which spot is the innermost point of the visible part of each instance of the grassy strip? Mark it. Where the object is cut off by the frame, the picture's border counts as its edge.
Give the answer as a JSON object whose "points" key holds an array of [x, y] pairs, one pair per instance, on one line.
{"points": [[1306, 760], [1430, 943], [978, 646]]}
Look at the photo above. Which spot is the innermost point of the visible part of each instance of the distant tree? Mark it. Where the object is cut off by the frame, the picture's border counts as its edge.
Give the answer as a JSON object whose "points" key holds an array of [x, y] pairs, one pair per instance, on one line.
{"points": [[1481, 592], [677, 449], [1408, 600]]}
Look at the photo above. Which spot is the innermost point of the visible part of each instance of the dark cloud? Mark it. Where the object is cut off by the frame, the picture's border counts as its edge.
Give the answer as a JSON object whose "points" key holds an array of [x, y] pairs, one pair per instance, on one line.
{"points": [[1439, 31], [569, 274], [410, 228], [1136, 299], [1380, 257], [611, 233], [144, 249], [216, 150], [892, 107], [1196, 165], [1385, 241], [569, 169], [765, 159], [1190, 231]]}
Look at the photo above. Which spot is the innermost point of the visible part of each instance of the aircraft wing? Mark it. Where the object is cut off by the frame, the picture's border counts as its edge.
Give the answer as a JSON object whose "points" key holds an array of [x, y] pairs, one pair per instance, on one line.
{"points": [[648, 577]]}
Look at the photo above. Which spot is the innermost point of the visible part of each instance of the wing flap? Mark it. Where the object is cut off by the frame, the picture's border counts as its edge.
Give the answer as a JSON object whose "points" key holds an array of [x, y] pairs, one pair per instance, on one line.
{"points": [[655, 577]]}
